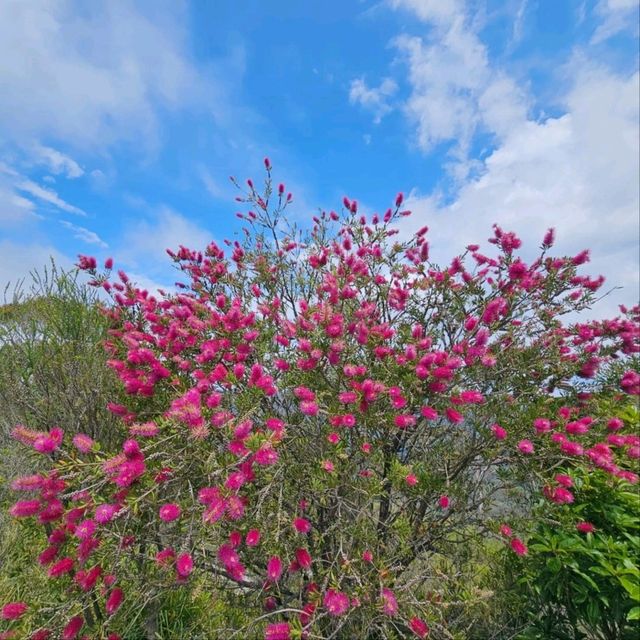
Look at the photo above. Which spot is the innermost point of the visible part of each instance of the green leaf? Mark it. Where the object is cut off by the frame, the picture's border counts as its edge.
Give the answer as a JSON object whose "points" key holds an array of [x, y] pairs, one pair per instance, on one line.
{"points": [[634, 614], [632, 588]]}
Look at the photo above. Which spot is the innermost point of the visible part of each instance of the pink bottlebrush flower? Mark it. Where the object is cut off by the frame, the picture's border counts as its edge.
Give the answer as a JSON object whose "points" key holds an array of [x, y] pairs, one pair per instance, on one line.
{"points": [[571, 448], [303, 558], [348, 397], [366, 447], [61, 567], [389, 602], [526, 447], [129, 472], [472, 397], [328, 466], [454, 416], [336, 602], [444, 502], [73, 627], [278, 631], [428, 413], [333, 438], [165, 557], [40, 634], [301, 525], [564, 480], [48, 555], [615, 424], [499, 433], [114, 601], [274, 569], [542, 425], [367, 556], [585, 527], [184, 565], [144, 430], [13, 610], [83, 443], [266, 456], [519, 548], [309, 408], [27, 483], [169, 512], [235, 539], [348, 420], [25, 508], [85, 529], [505, 530], [404, 421], [549, 238], [411, 480], [105, 513], [253, 538], [419, 627]]}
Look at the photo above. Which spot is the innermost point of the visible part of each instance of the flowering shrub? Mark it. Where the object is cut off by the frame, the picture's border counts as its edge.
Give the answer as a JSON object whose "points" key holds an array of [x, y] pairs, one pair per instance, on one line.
{"points": [[317, 422]]}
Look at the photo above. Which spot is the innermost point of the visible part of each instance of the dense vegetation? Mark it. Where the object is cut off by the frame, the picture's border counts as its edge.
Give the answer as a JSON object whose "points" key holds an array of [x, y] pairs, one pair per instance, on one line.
{"points": [[321, 434]]}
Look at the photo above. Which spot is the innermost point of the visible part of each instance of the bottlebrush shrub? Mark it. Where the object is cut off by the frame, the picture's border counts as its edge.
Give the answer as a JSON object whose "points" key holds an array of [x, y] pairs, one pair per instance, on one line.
{"points": [[316, 419]]}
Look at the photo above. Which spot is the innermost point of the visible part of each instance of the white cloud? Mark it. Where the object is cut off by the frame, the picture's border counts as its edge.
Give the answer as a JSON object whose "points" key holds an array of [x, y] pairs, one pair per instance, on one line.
{"points": [[84, 234], [18, 260], [91, 74], [47, 195], [436, 11], [57, 162], [145, 242], [455, 93], [617, 16], [372, 98], [577, 173]]}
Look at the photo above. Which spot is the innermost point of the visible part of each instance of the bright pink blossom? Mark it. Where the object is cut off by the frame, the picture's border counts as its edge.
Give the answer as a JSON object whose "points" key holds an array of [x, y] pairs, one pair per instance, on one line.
{"points": [[419, 627], [114, 601], [585, 527], [519, 548], [278, 631], [526, 447], [13, 610], [184, 565], [169, 512], [336, 602], [274, 569]]}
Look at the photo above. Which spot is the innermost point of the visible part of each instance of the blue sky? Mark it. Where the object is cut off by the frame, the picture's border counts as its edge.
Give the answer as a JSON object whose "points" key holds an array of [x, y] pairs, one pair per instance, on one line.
{"points": [[120, 122]]}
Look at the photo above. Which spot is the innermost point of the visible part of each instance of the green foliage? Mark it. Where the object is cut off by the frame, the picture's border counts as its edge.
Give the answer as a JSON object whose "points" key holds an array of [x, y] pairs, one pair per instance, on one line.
{"points": [[586, 585]]}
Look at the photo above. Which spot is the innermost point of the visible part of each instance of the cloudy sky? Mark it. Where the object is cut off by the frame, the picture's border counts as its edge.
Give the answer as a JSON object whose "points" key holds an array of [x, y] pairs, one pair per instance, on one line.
{"points": [[121, 121]]}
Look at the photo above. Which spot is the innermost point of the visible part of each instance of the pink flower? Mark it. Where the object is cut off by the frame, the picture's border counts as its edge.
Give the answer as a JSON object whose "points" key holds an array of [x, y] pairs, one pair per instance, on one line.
{"points": [[253, 538], [309, 408], [403, 421], [333, 438], [301, 525], [419, 627], [389, 602], [85, 529], [165, 557], [444, 502], [428, 413], [71, 631], [454, 416], [542, 425], [367, 556], [328, 466], [564, 480], [105, 513], [13, 610], [274, 569], [266, 456], [519, 547], [25, 508], [500, 433], [169, 512], [184, 565], [61, 567], [278, 631], [615, 424], [303, 558], [585, 527], [411, 480], [336, 602], [83, 443], [366, 447], [526, 447], [505, 530], [114, 601]]}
